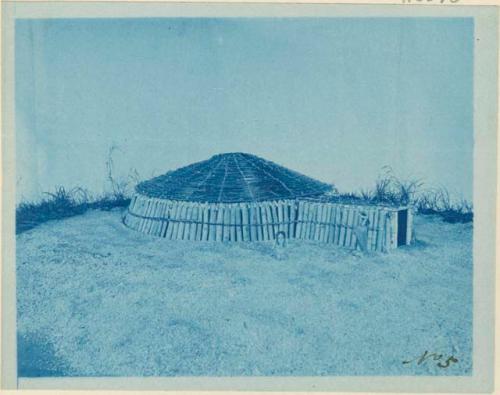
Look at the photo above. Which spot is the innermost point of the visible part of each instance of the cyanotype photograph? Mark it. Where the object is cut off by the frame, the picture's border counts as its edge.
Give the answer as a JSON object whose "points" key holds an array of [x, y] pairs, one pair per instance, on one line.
{"points": [[244, 196]]}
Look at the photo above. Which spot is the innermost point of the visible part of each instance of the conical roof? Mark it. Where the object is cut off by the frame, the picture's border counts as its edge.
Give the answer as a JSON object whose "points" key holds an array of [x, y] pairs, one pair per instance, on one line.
{"points": [[232, 178]]}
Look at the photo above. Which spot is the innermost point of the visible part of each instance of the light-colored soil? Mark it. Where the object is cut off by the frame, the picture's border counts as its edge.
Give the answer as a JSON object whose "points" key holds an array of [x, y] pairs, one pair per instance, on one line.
{"points": [[98, 299]]}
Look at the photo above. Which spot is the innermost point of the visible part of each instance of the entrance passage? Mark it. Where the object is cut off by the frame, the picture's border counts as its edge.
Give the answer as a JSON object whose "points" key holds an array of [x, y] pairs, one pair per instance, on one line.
{"points": [[402, 226]]}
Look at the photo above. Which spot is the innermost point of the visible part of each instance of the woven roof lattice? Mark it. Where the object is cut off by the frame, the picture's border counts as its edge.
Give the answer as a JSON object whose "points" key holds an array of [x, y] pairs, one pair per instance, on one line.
{"points": [[232, 178]]}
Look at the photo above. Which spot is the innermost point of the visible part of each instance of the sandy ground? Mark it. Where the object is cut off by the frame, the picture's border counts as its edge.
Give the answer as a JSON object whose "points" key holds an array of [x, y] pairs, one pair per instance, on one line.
{"points": [[98, 299]]}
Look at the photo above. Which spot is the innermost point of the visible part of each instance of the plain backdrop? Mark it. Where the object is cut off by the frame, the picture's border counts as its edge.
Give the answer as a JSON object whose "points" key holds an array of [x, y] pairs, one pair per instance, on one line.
{"points": [[334, 98]]}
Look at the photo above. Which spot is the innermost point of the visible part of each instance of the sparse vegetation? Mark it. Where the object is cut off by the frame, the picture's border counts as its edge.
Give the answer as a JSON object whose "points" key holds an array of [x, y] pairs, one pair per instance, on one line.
{"points": [[63, 204], [439, 202], [388, 190], [392, 191]]}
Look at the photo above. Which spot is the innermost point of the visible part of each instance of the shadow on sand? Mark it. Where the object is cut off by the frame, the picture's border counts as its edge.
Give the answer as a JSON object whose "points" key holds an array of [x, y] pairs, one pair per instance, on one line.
{"points": [[36, 357]]}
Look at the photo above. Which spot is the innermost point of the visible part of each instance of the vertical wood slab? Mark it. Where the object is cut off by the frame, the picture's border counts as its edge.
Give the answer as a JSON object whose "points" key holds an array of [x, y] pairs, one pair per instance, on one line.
{"points": [[170, 227], [394, 230], [286, 218], [326, 222], [227, 223], [409, 226], [343, 221], [165, 215], [143, 206], [312, 224], [154, 215], [260, 228], [355, 222], [300, 217], [272, 220], [279, 215], [137, 222], [199, 224], [292, 217], [221, 216], [263, 215], [369, 236], [218, 221], [323, 221], [245, 220], [378, 218], [249, 225], [252, 220], [173, 215], [142, 211], [223, 228], [305, 219], [151, 222], [224, 217], [134, 210], [187, 221], [387, 231], [269, 220], [138, 208], [239, 221], [341, 236], [159, 221], [212, 218], [335, 222], [348, 226], [311, 221], [342, 225], [232, 228], [380, 229], [194, 221], [205, 222], [308, 219], [181, 224], [319, 225], [149, 208], [331, 222], [374, 224]]}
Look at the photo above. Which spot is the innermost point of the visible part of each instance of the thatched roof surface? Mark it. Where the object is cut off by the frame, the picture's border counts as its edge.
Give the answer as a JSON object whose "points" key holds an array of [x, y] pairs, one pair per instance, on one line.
{"points": [[232, 178]]}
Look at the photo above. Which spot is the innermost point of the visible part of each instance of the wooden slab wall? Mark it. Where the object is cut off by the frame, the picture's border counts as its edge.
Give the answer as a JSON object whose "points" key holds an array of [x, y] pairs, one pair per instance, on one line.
{"points": [[323, 222]]}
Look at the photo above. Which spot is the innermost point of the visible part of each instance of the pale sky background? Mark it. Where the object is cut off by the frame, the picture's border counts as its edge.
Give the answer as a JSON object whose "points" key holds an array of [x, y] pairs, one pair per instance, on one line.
{"points": [[334, 98]]}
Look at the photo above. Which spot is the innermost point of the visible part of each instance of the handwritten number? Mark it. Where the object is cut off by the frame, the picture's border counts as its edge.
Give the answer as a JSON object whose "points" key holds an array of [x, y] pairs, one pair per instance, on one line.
{"points": [[448, 361], [433, 356]]}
